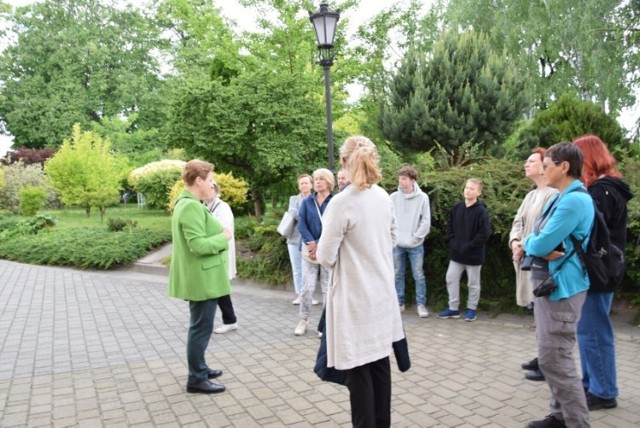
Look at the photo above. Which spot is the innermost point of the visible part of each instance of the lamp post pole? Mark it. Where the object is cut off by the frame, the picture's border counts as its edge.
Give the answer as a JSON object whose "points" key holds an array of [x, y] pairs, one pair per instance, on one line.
{"points": [[327, 91], [324, 23]]}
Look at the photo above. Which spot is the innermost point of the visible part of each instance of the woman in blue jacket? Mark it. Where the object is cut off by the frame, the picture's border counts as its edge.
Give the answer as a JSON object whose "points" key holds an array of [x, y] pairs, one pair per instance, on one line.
{"points": [[557, 314], [310, 227]]}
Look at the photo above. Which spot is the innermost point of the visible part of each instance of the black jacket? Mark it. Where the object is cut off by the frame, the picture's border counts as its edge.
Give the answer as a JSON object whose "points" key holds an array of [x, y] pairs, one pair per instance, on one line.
{"points": [[611, 196], [468, 233]]}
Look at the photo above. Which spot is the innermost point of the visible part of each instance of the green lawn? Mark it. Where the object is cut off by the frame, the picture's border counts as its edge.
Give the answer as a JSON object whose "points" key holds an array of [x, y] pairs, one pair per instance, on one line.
{"points": [[71, 218]]}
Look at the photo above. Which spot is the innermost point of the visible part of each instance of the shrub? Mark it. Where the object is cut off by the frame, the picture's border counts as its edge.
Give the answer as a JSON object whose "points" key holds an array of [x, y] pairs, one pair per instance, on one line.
{"points": [[271, 263], [26, 226], [155, 180], [31, 200], [28, 156], [17, 176], [565, 119], [86, 248], [1, 178], [116, 224], [504, 190]]}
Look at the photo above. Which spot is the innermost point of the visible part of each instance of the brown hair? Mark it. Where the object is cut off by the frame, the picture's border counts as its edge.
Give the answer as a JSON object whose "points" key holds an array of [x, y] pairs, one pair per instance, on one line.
{"points": [[408, 171], [195, 168]]}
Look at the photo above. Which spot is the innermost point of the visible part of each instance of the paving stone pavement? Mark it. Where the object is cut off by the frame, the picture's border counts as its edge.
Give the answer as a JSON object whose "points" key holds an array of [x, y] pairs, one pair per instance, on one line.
{"points": [[94, 349]]}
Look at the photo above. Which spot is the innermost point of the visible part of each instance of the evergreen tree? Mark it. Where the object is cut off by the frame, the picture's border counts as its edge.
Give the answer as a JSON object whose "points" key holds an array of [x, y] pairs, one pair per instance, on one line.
{"points": [[462, 92]]}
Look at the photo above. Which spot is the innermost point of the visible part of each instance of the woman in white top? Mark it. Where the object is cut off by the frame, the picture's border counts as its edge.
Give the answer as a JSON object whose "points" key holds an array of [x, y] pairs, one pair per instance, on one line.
{"points": [[222, 211], [362, 313], [293, 240], [529, 211]]}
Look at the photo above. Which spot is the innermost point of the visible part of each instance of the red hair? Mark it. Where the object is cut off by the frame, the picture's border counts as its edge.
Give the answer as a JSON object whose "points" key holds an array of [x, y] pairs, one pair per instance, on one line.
{"points": [[598, 160], [539, 151]]}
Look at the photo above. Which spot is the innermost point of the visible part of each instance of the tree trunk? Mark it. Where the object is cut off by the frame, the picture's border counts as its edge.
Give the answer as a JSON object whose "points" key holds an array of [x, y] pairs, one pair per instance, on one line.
{"points": [[257, 203], [88, 210]]}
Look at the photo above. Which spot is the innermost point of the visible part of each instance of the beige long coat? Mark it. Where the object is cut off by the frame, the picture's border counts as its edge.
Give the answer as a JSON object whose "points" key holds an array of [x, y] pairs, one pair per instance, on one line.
{"points": [[527, 214], [363, 316]]}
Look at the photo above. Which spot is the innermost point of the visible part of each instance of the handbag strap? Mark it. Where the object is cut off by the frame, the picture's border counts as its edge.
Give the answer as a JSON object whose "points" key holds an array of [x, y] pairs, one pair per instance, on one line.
{"points": [[315, 202]]}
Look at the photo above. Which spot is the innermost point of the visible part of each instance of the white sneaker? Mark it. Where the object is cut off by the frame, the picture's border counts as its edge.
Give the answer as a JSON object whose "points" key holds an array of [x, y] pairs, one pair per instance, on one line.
{"points": [[401, 308], [422, 311], [301, 328], [225, 328], [315, 302], [297, 301]]}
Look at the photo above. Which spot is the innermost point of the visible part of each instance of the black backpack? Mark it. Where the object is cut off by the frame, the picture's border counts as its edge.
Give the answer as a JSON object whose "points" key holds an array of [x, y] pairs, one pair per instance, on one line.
{"points": [[603, 261]]}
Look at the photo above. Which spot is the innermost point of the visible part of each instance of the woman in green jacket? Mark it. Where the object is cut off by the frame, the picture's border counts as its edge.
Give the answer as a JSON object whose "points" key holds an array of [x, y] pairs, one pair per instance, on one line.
{"points": [[198, 271]]}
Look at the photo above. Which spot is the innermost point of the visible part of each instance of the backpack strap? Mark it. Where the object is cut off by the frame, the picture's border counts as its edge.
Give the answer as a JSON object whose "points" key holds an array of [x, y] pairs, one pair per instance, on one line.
{"points": [[577, 243]]}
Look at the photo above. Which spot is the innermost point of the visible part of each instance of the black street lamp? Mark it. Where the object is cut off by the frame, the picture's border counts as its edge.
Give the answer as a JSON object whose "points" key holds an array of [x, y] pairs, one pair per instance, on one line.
{"points": [[324, 23]]}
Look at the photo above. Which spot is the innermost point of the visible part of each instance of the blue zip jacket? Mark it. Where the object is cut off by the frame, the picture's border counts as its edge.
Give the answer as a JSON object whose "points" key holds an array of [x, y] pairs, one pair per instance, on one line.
{"points": [[573, 214], [309, 222]]}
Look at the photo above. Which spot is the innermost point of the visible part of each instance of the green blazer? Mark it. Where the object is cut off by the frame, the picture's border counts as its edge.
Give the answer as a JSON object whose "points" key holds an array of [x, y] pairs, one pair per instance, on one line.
{"points": [[199, 254]]}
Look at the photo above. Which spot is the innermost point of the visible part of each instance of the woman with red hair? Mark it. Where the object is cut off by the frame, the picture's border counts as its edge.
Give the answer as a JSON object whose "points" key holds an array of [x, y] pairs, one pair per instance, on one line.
{"points": [[595, 331]]}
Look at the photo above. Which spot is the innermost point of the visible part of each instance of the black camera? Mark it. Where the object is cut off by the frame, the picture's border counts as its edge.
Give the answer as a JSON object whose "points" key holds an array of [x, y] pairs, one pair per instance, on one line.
{"points": [[534, 263], [525, 263]]}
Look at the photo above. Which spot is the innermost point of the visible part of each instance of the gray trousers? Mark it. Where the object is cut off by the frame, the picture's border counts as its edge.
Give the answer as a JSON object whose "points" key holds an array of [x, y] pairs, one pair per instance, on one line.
{"points": [[454, 274], [556, 333]]}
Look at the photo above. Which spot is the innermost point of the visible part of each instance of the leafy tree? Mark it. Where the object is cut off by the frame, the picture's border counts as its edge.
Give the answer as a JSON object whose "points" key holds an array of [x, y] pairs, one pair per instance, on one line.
{"points": [[586, 47], [140, 146], [77, 61], [86, 173], [263, 126], [462, 92]]}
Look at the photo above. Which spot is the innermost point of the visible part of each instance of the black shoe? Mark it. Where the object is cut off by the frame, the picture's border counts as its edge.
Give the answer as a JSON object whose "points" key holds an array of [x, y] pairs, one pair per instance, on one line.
{"points": [[548, 422], [596, 403], [205, 387], [535, 375], [531, 365], [212, 374]]}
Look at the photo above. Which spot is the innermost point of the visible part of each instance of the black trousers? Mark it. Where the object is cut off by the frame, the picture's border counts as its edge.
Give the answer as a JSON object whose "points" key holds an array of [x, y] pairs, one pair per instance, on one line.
{"points": [[226, 307], [370, 394]]}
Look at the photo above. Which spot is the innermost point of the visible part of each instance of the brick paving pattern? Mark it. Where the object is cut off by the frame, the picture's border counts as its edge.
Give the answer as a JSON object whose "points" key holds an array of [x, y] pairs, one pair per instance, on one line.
{"points": [[107, 349]]}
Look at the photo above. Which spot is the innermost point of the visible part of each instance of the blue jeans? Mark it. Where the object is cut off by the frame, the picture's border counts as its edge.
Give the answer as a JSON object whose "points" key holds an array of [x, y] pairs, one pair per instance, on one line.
{"points": [[597, 347], [200, 329], [416, 258]]}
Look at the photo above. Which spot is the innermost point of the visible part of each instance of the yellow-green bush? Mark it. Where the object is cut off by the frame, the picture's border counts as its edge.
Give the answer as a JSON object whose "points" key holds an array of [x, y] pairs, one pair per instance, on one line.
{"points": [[232, 190], [31, 200]]}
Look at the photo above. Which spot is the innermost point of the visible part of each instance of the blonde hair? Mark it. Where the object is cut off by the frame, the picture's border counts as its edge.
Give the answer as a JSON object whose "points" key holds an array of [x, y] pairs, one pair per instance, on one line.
{"points": [[327, 175], [195, 168], [478, 182], [361, 161]]}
